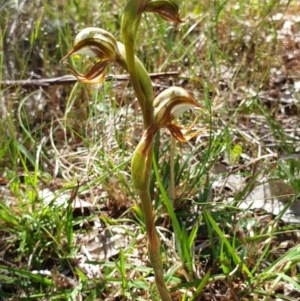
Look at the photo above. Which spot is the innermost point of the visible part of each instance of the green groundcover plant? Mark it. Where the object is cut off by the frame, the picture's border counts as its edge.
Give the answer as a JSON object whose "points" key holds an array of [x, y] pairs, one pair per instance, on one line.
{"points": [[157, 112]]}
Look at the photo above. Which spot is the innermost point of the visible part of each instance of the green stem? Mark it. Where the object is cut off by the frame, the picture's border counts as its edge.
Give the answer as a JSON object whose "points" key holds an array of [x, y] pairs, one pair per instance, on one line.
{"points": [[138, 75], [154, 246], [141, 163], [141, 169], [172, 191], [144, 83]]}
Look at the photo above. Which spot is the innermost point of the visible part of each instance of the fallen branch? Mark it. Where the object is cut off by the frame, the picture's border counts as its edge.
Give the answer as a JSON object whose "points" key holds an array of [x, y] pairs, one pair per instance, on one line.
{"points": [[70, 79]]}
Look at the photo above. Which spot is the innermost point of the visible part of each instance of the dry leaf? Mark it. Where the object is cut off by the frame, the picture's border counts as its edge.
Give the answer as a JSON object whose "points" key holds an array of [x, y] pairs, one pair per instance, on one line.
{"points": [[272, 197]]}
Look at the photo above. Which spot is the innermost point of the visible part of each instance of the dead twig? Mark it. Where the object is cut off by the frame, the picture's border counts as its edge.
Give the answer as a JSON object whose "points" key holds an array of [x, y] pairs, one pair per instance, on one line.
{"points": [[70, 79]]}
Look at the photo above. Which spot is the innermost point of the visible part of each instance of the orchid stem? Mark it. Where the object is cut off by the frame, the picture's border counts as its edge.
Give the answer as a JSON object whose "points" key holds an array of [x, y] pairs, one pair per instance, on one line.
{"points": [[172, 193], [141, 164]]}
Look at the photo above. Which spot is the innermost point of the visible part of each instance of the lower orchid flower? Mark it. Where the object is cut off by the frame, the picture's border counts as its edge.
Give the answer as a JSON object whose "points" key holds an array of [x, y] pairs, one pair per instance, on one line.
{"points": [[170, 104]]}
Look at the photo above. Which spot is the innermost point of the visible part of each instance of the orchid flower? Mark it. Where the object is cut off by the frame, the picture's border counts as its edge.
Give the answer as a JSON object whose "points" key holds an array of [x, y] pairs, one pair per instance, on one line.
{"points": [[96, 42], [170, 104]]}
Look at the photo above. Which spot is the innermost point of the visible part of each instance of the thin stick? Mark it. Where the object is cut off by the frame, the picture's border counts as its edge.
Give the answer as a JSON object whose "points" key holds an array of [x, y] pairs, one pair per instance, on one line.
{"points": [[71, 79]]}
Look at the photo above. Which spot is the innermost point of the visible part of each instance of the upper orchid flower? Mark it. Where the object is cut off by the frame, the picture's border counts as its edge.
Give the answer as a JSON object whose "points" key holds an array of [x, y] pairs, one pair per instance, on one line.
{"points": [[95, 42], [167, 9]]}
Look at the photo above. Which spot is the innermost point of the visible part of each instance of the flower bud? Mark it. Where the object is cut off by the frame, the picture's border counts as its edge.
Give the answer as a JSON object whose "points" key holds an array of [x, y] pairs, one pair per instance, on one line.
{"points": [[167, 9]]}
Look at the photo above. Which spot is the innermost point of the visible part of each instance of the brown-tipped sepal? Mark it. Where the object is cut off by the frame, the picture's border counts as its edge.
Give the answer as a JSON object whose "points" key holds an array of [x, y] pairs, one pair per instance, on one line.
{"points": [[95, 75]]}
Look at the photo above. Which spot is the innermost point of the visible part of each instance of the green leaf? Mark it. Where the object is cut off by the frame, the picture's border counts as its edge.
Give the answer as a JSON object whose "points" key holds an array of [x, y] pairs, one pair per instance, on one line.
{"points": [[236, 259], [170, 210]]}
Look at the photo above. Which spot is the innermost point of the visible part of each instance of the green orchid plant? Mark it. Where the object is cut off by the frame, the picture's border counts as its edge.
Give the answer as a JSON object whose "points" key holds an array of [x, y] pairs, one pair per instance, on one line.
{"points": [[158, 112]]}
